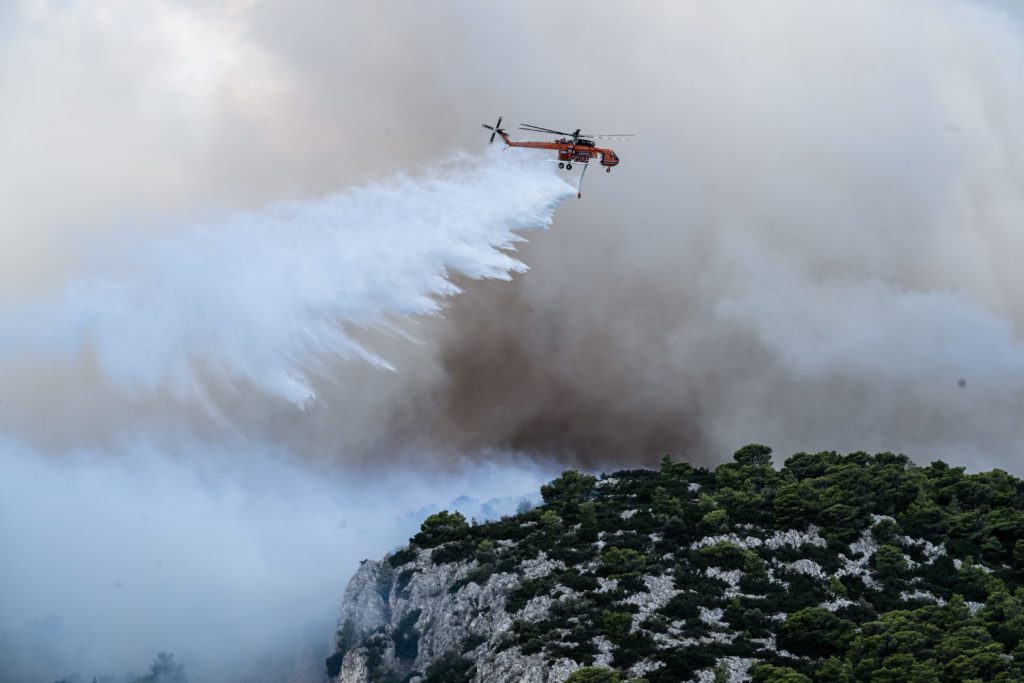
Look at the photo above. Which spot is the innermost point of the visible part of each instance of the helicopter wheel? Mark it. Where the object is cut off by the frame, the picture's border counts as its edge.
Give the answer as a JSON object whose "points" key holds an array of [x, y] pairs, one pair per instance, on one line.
{"points": [[561, 165], [568, 167], [608, 169]]}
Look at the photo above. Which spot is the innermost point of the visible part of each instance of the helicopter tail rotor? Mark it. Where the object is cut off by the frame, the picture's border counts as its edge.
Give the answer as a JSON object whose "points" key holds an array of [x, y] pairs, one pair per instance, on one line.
{"points": [[496, 128]]}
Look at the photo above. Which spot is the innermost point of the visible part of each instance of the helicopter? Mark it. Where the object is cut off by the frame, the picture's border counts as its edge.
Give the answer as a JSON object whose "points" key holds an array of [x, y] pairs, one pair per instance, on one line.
{"points": [[571, 147]]}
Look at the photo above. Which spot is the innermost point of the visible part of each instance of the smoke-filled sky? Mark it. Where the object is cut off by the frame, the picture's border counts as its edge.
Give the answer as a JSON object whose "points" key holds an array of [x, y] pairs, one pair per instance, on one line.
{"points": [[212, 281]]}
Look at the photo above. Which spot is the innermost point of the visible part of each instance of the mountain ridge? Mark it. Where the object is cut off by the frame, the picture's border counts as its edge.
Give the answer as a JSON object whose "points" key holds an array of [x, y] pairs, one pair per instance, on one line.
{"points": [[831, 567]]}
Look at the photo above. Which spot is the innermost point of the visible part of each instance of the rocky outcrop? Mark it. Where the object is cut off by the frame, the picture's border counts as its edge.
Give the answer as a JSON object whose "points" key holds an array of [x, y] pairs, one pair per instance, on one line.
{"points": [[400, 619], [403, 618]]}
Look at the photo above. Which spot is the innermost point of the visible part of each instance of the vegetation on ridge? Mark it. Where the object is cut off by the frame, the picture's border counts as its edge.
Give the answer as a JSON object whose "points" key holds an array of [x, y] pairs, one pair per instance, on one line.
{"points": [[832, 568]]}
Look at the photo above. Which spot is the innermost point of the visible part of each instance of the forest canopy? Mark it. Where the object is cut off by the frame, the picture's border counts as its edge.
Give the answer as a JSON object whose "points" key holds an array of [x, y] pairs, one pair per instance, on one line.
{"points": [[829, 568]]}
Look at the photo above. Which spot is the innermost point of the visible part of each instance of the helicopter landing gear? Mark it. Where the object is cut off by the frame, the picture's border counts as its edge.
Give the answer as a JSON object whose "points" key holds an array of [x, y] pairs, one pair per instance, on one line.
{"points": [[608, 169], [561, 165], [568, 167]]}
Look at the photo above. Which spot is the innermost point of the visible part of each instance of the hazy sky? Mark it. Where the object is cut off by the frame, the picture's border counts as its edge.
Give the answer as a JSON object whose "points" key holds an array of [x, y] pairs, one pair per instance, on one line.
{"points": [[813, 241]]}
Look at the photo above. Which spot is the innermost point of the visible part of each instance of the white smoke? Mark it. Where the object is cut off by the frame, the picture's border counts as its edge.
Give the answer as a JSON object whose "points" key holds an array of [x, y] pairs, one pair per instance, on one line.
{"points": [[230, 553], [232, 556], [814, 237]]}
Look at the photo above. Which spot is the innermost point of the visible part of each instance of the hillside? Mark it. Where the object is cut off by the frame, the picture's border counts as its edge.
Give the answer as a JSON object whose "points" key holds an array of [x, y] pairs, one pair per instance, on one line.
{"points": [[832, 568]]}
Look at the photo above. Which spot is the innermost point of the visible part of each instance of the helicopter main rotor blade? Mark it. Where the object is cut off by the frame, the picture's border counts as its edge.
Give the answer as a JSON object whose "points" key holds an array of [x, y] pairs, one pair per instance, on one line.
{"points": [[538, 129]]}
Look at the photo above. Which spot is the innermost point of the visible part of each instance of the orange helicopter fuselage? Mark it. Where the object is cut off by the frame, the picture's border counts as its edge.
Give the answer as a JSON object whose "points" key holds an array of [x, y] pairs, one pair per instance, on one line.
{"points": [[569, 152]]}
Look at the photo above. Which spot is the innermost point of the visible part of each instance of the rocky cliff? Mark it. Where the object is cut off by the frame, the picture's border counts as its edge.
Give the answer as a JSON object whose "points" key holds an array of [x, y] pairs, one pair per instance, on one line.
{"points": [[834, 567]]}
